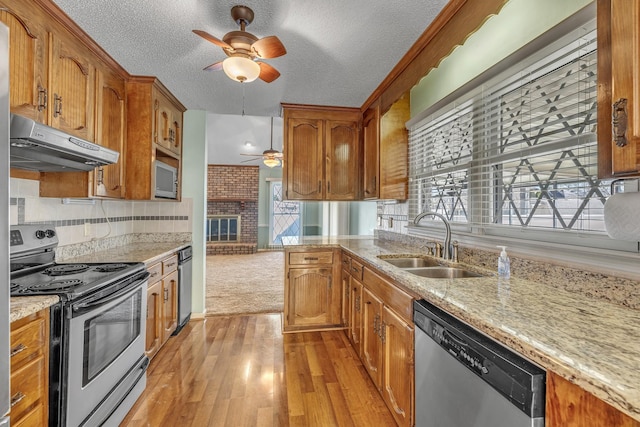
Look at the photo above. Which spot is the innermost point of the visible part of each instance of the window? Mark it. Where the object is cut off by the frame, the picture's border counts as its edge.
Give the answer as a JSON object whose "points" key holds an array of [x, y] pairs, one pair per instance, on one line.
{"points": [[519, 151]]}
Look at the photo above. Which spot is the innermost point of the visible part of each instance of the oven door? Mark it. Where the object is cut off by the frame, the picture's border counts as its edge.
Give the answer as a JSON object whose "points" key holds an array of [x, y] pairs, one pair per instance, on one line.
{"points": [[106, 342]]}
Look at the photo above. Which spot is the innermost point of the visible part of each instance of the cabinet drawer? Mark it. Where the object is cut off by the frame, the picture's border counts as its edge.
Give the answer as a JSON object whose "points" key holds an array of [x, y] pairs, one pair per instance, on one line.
{"points": [[357, 269], [155, 273], [28, 385], [170, 264], [346, 262], [28, 338], [394, 298], [310, 258]]}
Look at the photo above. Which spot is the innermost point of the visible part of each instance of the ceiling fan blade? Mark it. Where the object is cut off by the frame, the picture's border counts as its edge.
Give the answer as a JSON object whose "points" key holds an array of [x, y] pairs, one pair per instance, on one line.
{"points": [[247, 161], [214, 67], [254, 155], [268, 47], [267, 72], [213, 39]]}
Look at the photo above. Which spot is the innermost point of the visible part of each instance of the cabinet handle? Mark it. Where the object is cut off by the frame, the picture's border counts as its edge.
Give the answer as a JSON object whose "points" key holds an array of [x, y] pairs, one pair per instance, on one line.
{"points": [[311, 258], [619, 122], [328, 186], [42, 98], [18, 349], [57, 105], [154, 274], [166, 294], [100, 176], [319, 186], [16, 398]]}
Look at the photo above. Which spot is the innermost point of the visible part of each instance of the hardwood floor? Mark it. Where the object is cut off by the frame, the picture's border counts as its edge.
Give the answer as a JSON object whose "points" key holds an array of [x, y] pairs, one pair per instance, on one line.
{"points": [[241, 371]]}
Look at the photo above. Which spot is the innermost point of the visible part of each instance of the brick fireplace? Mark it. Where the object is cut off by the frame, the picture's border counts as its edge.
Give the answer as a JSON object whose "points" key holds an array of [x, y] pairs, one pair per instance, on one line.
{"points": [[232, 192]]}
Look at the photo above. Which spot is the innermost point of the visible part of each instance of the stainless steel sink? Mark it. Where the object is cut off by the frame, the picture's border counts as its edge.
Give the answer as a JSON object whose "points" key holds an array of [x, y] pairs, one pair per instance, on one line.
{"points": [[442, 272], [411, 262]]}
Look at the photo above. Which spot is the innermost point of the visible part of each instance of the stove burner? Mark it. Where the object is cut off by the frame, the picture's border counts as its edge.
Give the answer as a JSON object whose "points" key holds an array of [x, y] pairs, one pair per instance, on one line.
{"points": [[111, 268], [56, 285], [64, 269]]}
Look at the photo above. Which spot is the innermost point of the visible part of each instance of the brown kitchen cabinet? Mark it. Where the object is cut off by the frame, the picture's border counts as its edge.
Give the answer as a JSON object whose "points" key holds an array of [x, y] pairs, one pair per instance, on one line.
{"points": [[394, 151], [312, 296], [29, 50], [104, 181], [371, 153], [162, 303], [154, 122], [322, 153], [568, 405], [387, 344], [345, 276], [29, 353], [371, 335], [618, 88]]}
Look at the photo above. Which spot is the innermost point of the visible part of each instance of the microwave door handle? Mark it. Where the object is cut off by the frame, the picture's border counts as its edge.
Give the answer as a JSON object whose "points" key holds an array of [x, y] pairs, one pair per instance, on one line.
{"points": [[84, 307]]}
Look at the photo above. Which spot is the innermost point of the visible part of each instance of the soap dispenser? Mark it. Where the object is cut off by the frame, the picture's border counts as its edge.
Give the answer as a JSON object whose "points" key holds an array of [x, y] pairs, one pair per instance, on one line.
{"points": [[504, 264]]}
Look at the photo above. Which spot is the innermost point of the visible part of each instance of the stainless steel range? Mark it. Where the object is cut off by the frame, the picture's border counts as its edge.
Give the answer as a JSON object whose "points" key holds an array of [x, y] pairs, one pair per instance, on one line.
{"points": [[97, 361]]}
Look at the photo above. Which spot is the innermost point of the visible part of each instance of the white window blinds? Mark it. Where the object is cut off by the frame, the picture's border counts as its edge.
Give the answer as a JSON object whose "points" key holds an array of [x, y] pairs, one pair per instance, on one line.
{"points": [[519, 151]]}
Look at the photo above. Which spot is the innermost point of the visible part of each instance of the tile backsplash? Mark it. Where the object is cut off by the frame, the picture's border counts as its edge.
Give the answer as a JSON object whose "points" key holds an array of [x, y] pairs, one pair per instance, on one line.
{"points": [[79, 223]]}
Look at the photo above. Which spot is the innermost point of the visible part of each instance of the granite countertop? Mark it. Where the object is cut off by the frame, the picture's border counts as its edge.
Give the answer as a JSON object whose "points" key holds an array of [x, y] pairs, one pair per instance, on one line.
{"points": [[24, 306], [592, 343], [149, 253]]}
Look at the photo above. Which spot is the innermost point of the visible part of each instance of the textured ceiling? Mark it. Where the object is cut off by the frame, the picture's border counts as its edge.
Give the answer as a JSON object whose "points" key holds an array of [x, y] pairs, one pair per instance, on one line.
{"points": [[338, 51]]}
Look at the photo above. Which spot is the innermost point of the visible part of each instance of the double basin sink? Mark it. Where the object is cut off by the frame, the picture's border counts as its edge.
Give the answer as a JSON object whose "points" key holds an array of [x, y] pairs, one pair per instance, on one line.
{"points": [[428, 267]]}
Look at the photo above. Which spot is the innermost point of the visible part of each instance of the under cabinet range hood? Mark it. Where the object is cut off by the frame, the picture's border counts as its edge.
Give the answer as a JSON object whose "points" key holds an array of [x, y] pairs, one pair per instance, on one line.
{"points": [[37, 147]]}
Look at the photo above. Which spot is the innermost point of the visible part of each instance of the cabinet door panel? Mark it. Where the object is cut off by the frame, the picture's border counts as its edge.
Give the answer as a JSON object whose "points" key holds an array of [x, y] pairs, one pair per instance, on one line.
{"points": [[355, 324], [28, 52], [170, 304], [394, 146], [110, 133], [72, 89], [304, 159], [371, 343], [310, 299], [342, 160], [154, 318], [371, 138], [345, 315], [398, 377]]}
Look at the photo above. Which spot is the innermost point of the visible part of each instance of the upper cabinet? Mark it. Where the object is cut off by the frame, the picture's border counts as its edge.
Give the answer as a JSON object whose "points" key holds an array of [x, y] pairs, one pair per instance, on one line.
{"points": [[371, 153], [394, 150], [321, 153], [153, 133], [618, 88], [385, 142], [29, 50]]}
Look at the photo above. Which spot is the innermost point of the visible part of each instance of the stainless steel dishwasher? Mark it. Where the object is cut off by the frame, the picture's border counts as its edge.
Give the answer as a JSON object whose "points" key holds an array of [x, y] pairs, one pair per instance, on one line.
{"points": [[466, 379], [184, 287]]}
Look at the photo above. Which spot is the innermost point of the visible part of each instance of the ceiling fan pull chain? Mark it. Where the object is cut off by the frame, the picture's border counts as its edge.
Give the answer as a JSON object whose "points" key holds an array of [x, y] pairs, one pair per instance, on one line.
{"points": [[242, 100]]}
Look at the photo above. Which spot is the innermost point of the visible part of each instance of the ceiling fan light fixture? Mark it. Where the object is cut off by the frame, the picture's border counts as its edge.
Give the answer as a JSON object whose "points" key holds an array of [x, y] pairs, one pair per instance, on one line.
{"points": [[241, 69], [270, 162]]}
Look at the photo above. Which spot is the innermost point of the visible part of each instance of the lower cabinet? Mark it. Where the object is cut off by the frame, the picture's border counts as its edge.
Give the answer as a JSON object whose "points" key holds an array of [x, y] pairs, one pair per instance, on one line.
{"points": [[387, 344], [571, 406], [162, 303], [355, 324], [29, 354], [312, 298]]}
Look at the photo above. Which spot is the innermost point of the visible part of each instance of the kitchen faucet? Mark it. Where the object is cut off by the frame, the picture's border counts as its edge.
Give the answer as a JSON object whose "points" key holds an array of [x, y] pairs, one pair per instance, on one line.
{"points": [[447, 238]]}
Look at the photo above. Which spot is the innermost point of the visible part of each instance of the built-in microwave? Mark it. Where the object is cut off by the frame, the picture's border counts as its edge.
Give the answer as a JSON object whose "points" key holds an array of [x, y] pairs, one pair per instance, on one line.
{"points": [[166, 181]]}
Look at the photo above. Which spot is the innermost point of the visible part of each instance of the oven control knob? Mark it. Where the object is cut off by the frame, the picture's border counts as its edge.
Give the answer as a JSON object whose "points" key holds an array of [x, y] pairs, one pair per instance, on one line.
{"points": [[40, 234], [50, 233]]}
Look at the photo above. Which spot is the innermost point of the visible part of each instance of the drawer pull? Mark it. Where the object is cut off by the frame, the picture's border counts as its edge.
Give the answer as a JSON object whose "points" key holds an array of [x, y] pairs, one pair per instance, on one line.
{"points": [[311, 258], [18, 349], [16, 398], [171, 264]]}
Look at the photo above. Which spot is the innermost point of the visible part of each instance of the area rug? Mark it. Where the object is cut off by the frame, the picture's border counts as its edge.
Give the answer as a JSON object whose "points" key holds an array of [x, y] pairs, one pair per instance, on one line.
{"points": [[245, 284]]}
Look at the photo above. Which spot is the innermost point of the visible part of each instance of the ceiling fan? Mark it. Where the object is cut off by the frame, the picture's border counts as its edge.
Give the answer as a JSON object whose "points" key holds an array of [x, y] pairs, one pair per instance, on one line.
{"points": [[244, 50], [270, 157]]}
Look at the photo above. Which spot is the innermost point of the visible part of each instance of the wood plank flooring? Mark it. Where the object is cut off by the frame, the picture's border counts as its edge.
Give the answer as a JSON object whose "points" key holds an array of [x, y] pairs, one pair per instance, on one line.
{"points": [[242, 371]]}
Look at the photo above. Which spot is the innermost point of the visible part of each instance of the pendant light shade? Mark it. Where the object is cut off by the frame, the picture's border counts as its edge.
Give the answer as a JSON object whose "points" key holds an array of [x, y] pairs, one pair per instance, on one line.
{"points": [[241, 69], [271, 162]]}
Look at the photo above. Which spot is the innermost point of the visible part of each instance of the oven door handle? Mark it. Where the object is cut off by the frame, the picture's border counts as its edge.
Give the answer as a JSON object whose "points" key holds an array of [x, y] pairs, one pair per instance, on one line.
{"points": [[83, 307]]}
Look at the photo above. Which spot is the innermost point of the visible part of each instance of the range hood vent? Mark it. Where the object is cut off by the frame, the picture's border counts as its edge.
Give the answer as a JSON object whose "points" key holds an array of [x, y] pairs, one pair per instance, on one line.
{"points": [[36, 147]]}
